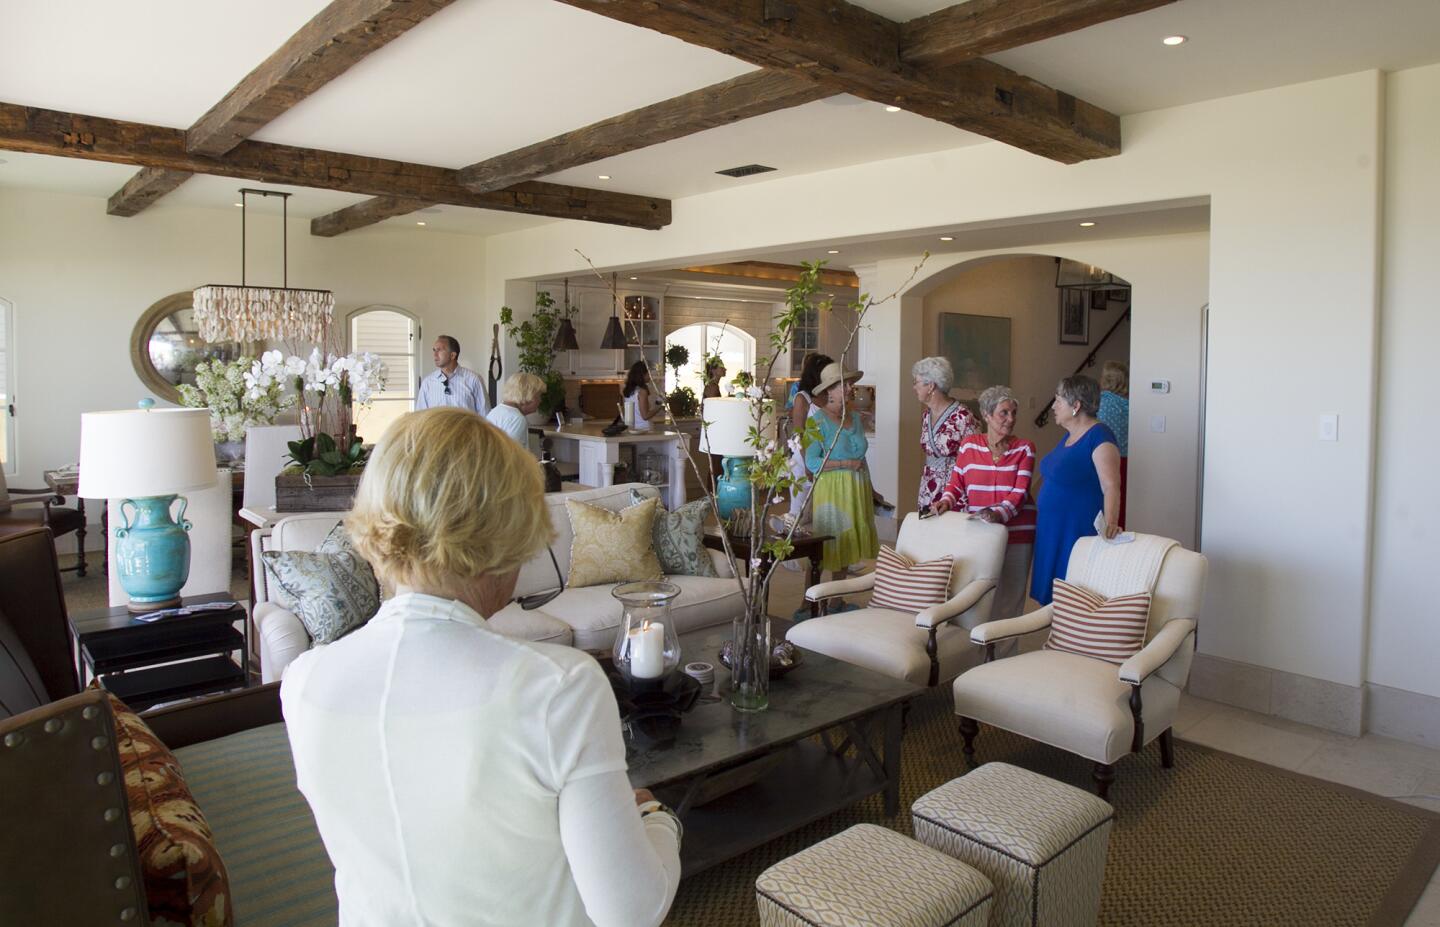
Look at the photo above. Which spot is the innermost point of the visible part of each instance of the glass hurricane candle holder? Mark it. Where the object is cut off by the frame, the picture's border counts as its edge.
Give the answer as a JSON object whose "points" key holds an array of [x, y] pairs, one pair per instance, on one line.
{"points": [[647, 646]]}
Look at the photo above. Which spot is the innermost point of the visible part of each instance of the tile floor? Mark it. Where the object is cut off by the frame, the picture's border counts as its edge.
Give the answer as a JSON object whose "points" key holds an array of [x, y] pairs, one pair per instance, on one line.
{"points": [[1380, 765]]}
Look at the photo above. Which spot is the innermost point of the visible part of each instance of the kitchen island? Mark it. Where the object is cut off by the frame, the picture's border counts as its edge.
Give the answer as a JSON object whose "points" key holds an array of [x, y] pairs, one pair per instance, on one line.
{"points": [[597, 455]]}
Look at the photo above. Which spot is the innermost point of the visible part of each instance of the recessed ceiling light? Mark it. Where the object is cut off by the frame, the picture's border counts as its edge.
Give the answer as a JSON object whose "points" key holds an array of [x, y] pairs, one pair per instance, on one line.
{"points": [[603, 176], [419, 223], [832, 251], [947, 237], [1174, 40], [892, 109], [634, 278], [1086, 225], [240, 204]]}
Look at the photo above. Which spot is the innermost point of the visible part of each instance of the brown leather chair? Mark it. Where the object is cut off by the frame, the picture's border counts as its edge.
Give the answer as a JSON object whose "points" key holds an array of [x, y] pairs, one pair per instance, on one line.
{"points": [[34, 620], [18, 513]]}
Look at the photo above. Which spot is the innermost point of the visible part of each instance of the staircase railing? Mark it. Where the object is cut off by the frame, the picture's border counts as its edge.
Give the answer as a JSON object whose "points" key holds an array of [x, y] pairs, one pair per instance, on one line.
{"points": [[1089, 361]]}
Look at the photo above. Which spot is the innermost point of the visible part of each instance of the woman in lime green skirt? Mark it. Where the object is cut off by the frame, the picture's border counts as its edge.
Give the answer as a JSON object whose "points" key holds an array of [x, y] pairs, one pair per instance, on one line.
{"points": [[842, 504]]}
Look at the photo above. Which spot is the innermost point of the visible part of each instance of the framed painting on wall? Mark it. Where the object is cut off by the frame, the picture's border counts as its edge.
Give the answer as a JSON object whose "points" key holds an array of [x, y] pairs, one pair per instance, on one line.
{"points": [[978, 348], [1074, 316]]}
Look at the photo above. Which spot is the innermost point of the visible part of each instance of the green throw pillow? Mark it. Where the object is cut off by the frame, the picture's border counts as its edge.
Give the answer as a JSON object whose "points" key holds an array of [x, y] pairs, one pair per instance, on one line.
{"points": [[332, 590], [679, 538]]}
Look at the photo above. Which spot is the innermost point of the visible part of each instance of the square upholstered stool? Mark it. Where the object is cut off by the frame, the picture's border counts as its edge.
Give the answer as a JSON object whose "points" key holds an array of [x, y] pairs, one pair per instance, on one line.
{"points": [[1041, 843], [872, 876]]}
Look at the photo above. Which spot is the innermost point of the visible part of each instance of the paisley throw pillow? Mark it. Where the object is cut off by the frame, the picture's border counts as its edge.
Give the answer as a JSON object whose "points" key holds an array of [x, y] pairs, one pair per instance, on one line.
{"points": [[332, 590], [679, 538]]}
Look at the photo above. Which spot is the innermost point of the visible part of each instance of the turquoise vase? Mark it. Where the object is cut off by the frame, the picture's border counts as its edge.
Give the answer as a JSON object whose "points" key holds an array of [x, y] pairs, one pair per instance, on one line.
{"points": [[732, 490], [152, 552]]}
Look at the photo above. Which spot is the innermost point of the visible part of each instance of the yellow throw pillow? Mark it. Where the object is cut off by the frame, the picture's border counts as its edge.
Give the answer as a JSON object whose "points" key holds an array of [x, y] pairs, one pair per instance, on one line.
{"points": [[612, 547]]}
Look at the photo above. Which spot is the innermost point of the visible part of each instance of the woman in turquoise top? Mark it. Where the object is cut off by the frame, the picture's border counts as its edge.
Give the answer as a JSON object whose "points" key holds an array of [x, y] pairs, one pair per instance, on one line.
{"points": [[1115, 412], [843, 504]]}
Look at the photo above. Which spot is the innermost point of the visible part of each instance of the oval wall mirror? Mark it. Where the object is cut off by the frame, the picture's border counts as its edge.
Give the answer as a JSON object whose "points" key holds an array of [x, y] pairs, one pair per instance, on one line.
{"points": [[165, 346]]}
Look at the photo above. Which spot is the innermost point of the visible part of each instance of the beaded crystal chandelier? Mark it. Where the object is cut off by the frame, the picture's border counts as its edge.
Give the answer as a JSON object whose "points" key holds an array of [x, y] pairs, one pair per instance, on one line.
{"points": [[255, 313]]}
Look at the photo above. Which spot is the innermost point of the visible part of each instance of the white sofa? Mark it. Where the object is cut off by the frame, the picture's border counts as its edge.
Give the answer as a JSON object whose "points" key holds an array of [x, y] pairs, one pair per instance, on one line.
{"points": [[586, 617]]}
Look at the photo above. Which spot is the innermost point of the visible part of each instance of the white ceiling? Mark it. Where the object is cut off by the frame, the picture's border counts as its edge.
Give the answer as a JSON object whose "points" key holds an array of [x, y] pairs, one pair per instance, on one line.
{"points": [[486, 76]]}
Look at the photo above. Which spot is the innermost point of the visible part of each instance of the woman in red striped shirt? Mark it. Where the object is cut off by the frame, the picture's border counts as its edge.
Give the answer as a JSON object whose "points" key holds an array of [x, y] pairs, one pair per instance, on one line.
{"points": [[993, 472]]}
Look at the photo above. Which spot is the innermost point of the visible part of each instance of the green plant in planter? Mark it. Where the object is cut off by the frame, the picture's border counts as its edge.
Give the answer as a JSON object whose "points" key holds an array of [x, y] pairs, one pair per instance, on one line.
{"points": [[535, 339], [677, 356], [683, 402], [320, 455], [743, 380]]}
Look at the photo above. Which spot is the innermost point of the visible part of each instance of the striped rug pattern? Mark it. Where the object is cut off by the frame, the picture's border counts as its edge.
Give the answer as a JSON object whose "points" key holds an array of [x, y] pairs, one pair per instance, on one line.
{"points": [[907, 586], [1091, 625]]}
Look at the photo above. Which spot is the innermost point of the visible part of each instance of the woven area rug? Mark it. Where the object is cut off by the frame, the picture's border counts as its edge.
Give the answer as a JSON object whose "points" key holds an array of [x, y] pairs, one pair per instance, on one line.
{"points": [[1218, 840]]}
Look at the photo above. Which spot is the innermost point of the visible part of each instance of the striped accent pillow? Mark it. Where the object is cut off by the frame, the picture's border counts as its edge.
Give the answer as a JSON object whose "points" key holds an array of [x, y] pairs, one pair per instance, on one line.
{"points": [[907, 586], [1091, 625]]}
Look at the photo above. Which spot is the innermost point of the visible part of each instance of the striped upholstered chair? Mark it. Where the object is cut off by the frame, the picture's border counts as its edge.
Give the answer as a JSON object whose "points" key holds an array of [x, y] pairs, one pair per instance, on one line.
{"points": [[924, 646]]}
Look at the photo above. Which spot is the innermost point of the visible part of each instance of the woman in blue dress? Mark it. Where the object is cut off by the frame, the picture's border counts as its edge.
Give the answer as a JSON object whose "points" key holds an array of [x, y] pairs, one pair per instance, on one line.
{"points": [[1080, 479]]}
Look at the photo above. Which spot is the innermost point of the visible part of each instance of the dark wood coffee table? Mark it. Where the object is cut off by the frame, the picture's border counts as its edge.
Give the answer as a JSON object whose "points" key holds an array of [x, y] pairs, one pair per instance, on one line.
{"points": [[813, 750]]}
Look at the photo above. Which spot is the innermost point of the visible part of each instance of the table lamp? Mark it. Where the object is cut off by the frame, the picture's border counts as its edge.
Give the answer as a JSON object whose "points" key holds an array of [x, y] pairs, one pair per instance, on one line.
{"points": [[146, 458], [726, 431]]}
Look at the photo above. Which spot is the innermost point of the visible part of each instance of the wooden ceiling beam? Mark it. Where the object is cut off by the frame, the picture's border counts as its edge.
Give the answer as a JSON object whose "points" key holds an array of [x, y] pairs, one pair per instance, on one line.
{"points": [[719, 104], [71, 135], [769, 270], [982, 27], [849, 49], [337, 38]]}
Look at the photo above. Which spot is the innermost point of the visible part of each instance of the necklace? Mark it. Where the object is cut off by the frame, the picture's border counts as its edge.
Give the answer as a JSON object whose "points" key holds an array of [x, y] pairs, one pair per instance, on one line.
{"points": [[997, 451]]}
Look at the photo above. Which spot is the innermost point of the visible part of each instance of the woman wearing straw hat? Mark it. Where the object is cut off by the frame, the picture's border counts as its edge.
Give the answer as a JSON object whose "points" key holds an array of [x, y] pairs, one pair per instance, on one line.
{"points": [[843, 504]]}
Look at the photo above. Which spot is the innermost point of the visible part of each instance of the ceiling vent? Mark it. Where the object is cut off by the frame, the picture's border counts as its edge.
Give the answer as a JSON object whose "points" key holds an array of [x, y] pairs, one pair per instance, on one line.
{"points": [[745, 170]]}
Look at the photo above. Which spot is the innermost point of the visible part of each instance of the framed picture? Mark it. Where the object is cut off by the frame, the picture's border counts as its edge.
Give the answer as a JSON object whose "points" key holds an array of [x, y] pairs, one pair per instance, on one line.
{"points": [[1074, 317], [978, 348], [1099, 300]]}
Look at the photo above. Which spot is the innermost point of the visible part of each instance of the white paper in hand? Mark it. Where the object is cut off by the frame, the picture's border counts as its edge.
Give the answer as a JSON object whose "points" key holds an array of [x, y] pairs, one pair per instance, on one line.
{"points": [[1124, 537]]}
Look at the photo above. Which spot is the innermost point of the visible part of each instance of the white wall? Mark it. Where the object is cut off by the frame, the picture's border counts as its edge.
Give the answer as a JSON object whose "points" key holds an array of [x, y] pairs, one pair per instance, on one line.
{"points": [[1293, 177], [80, 279], [1405, 637]]}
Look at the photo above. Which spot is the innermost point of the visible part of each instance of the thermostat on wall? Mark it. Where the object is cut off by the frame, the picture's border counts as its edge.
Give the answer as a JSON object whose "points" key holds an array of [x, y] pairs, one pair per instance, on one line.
{"points": [[1159, 386]]}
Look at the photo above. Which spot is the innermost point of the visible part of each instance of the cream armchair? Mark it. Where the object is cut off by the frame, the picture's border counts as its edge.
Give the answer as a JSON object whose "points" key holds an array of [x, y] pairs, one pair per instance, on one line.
{"points": [[1084, 705], [934, 645]]}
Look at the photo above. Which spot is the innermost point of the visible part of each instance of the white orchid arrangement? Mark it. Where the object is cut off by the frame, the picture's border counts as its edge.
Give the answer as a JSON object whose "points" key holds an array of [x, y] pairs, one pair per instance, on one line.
{"points": [[236, 402]]}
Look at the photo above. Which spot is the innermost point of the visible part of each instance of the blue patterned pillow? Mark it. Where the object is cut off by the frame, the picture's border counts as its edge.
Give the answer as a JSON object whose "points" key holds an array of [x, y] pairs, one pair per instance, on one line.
{"points": [[679, 538], [332, 590]]}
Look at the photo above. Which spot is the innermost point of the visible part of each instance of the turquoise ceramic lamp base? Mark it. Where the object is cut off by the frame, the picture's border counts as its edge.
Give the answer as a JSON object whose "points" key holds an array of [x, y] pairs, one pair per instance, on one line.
{"points": [[733, 489], [152, 552]]}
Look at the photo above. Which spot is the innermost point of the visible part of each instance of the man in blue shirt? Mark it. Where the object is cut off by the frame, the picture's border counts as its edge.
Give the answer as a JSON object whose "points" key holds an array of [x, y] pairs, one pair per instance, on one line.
{"points": [[451, 384]]}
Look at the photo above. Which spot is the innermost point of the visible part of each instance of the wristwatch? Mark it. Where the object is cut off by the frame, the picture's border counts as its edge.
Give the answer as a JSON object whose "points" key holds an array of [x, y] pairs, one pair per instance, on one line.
{"points": [[657, 807]]}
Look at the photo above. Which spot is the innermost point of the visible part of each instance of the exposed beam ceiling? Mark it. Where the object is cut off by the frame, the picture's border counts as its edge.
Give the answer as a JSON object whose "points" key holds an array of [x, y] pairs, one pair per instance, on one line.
{"points": [[849, 49], [766, 270], [42, 131], [327, 46], [980, 27], [719, 104]]}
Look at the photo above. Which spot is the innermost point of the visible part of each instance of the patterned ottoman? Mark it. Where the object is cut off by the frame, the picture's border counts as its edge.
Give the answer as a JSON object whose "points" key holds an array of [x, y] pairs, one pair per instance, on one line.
{"points": [[871, 876], [1041, 842]]}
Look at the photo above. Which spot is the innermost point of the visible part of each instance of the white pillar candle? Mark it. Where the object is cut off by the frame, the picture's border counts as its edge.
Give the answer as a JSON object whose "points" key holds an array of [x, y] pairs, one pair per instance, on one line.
{"points": [[647, 651]]}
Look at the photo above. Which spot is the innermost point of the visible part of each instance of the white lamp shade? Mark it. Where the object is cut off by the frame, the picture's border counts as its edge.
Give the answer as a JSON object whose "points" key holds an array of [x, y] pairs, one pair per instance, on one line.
{"points": [[145, 452], [728, 423]]}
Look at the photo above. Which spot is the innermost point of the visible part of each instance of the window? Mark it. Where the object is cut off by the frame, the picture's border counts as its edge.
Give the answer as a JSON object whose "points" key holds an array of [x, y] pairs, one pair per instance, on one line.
{"points": [[806, 339], [393, 334], [735, 347], [7, 387]]}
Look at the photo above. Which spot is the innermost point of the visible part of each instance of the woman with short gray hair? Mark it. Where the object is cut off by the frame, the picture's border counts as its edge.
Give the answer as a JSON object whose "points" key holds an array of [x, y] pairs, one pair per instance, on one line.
{"points": [[992, 472], [944, 425], [1081, 481]]}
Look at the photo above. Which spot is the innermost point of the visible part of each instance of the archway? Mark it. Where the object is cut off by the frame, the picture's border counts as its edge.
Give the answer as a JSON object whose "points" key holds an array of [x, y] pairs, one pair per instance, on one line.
{"points": [[735, 346], [393, 334]]}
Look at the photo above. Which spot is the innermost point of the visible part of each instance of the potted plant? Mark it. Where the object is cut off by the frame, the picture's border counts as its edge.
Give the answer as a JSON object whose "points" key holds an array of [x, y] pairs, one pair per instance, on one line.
{"points": [[235, 406], [682, 400], [535, 340], [326, 463]]}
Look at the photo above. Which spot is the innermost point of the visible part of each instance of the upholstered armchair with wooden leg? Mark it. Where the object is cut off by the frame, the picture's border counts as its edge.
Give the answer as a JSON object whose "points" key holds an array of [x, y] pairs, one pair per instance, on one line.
{"points": [[24, 509], [933, 645], [1081, 704]]}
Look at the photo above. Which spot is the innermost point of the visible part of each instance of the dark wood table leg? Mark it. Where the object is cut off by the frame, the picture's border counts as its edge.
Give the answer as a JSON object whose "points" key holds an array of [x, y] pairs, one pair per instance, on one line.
{"points": [[894, 728], [80, 537], [104, 537]]}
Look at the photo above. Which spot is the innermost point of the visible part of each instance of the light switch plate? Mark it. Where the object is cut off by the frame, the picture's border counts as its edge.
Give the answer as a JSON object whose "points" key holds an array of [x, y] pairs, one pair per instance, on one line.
{"points": [[1330, 427], [1157, 424]]}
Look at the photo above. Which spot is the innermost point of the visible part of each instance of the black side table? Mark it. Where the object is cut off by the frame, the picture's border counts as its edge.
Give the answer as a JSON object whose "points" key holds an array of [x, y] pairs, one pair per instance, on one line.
{"points": [[181, 656]]}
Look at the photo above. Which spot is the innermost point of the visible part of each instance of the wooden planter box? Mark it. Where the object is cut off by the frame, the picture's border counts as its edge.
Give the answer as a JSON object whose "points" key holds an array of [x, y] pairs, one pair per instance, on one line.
{"points": [[322, 494]]}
